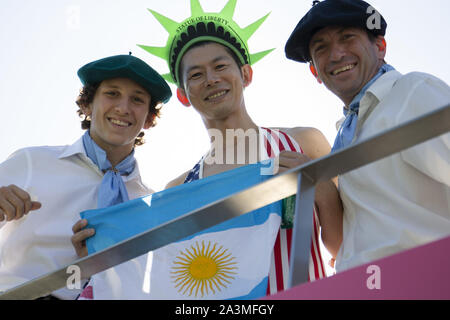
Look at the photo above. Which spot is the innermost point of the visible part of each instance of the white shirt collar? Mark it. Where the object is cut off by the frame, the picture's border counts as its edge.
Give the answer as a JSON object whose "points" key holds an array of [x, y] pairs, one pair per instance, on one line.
{"points": [[381, 87], [374, 94], [77, 148]]}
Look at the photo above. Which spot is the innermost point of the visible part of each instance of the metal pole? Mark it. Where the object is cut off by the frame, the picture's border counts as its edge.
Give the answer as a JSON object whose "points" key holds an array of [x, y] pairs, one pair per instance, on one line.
{"points": [[281, 186], [302, 231]]}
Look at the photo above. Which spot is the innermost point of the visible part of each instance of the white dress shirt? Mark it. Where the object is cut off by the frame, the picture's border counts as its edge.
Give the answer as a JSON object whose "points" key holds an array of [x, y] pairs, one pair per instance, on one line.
{"points": [[66, 182], [403, 200]]}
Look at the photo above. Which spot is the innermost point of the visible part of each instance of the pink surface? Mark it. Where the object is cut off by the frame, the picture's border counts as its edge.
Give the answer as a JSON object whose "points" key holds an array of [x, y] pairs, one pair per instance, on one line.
{"points": [[419, 273]]}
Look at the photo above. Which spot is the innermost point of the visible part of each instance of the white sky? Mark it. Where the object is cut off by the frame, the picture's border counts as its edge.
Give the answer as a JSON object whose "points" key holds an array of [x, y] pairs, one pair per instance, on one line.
{"points": [[44, 43]]}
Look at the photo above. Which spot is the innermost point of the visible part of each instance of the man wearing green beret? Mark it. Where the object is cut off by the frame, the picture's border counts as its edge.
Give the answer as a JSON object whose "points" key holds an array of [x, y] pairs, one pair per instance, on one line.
{"points": [[121, 96], [401, 201]]}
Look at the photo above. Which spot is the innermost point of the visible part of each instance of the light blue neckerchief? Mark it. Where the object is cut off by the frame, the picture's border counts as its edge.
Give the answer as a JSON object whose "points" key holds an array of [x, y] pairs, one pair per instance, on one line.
{"points": [[112, 189], [347, 130]]}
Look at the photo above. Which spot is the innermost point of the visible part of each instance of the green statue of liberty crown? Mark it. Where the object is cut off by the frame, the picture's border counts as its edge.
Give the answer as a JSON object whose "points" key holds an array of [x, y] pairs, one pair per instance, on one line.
{"points": [[203, 26]]}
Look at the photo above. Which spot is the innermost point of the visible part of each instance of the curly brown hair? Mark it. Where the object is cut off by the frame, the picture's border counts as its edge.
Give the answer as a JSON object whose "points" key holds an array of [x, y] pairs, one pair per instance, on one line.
{"points": [[86, 97]]}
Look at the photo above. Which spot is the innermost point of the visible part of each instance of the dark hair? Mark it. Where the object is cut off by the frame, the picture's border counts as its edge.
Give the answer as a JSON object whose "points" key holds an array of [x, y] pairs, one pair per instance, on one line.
{"points": [[372, 38], [371, 35], [204, 30], [86, 96], [203, 43]]}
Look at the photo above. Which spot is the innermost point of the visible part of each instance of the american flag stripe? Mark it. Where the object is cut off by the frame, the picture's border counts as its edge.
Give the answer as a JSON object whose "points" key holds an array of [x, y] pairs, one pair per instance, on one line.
{"points": [[289, 141], [317, 246], [274, 143], [278, 263], [269, 149], [315, 269]]}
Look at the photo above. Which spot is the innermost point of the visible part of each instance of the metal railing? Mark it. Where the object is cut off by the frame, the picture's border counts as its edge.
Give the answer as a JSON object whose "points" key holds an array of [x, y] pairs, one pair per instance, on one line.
{"points": [[300, 180]]}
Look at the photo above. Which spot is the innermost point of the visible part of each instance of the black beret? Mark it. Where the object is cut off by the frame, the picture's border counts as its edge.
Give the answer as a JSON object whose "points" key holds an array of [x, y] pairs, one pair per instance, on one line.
{"points": [[347, 13], [126, 66]]}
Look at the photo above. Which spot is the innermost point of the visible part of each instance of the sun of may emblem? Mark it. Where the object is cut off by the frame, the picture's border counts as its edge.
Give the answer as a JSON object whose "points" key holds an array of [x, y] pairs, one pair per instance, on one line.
{"points": [[203, 269]]}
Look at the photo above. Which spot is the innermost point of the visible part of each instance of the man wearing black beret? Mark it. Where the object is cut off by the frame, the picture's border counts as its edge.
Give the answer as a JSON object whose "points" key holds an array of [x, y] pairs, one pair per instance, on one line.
{"points": [[401, 201], [121, 97]]}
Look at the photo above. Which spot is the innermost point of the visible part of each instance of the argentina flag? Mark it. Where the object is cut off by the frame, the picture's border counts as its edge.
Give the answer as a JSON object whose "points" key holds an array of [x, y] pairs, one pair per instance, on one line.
{"points": [[228, 261]]}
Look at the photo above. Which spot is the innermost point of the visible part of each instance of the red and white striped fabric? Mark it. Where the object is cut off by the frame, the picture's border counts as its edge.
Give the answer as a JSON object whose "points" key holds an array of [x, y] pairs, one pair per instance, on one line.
{"points": [[275, 142]]}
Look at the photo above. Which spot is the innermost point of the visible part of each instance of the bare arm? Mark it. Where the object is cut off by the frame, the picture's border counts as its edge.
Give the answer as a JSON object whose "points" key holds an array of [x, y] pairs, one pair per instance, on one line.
{"points": [[177, 181]]}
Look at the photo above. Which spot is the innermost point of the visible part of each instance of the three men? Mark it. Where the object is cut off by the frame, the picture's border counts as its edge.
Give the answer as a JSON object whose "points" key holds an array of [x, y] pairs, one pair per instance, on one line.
{"points": [[389, 205]]}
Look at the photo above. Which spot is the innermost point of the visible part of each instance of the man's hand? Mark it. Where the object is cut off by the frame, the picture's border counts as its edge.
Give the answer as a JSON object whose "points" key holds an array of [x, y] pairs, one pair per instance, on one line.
{"points": [[291, 159], [79, 237], [15, 203], [328, 203]]}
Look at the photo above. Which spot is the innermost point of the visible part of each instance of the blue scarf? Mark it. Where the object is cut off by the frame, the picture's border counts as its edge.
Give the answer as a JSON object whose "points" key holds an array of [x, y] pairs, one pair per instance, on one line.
{"points": [[112, 189], [347, 130]]}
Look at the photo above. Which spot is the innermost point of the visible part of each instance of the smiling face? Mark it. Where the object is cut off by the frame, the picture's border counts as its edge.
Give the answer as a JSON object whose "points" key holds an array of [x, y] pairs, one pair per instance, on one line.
{"points": [[346, 59], [212, 80], [118, 112]]}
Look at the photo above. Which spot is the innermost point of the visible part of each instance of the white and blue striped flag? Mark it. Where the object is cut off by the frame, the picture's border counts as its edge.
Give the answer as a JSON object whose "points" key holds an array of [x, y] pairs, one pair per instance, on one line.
{"points": [[228, 261]]}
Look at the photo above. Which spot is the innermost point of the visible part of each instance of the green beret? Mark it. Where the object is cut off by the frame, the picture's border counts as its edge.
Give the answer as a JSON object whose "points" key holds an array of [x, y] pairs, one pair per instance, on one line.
{"points": [[126, 66]]}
